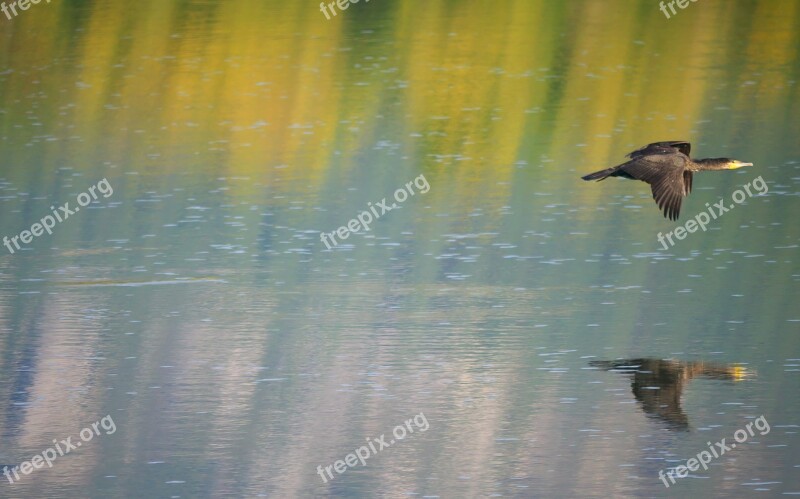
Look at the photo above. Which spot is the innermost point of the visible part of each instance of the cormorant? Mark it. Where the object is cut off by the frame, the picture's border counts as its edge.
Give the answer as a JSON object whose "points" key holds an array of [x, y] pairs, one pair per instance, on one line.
{"points": [[657, 384], [666, 166]]}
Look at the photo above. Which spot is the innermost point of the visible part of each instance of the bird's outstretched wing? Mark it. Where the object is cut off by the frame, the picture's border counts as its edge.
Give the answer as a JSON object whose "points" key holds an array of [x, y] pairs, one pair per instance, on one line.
{"points": [[687, 182], [667, 147], [667, 177]]}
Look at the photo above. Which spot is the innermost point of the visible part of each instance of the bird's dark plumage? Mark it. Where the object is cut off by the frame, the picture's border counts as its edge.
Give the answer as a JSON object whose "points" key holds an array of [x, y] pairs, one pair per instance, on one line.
{"points": [[669, 170], [662, 148], [658, 384]]}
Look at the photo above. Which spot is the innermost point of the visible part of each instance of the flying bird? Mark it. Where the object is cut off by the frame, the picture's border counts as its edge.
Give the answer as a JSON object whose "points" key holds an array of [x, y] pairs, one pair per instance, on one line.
{"points": [[658, 384], [667, 167]]}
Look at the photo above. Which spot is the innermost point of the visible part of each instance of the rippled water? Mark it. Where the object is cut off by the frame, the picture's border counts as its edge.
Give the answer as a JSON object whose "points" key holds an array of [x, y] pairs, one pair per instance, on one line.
{"points": [[550, 344]]}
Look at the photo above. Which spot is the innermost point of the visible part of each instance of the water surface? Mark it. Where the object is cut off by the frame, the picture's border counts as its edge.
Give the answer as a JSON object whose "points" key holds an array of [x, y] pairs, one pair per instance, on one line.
{"points": [[531, 317]]}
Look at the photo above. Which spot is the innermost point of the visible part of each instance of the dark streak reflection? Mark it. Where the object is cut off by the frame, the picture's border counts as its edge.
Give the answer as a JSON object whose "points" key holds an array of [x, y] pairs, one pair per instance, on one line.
{"points": [[657, 384]]}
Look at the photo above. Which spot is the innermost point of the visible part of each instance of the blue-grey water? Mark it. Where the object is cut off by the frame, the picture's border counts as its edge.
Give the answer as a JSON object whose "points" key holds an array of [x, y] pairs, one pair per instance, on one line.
{"points": [[526, 330]]}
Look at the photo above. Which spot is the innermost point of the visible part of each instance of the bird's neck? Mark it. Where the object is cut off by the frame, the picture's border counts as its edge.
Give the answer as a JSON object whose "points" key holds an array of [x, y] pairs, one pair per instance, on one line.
{"points": [[712, 163]]}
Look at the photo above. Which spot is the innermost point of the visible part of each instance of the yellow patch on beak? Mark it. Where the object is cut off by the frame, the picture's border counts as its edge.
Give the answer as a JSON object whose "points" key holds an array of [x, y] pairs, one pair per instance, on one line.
{"points": [[740, 373], [733, 165]]}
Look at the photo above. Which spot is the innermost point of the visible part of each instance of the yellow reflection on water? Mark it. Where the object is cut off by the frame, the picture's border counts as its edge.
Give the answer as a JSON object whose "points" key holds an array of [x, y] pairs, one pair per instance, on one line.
{"points": [[473, 88]]}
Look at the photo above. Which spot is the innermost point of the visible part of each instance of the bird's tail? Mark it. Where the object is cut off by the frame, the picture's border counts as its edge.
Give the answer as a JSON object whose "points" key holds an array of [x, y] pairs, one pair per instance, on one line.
{"points": [[600, 175]]}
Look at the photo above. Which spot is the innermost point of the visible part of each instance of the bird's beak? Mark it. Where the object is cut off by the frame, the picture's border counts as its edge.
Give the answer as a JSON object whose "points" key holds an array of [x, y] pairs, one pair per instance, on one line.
{"points": [[740, 372], [738, 164]]}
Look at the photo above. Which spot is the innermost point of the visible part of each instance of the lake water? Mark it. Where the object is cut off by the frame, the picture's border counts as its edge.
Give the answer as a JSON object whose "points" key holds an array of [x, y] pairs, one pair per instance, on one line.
{"points": [[526, 330]]}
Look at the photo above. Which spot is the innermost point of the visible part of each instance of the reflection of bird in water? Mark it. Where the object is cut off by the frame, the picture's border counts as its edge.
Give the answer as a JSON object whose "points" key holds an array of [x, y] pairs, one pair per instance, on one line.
{"points": [[657, 384], [666, 166]]}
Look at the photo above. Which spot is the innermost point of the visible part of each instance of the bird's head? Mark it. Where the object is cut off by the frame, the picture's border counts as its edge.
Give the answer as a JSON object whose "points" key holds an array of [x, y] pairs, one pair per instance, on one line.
{"points": [[733, 164], [738, 373], [721, 164]]}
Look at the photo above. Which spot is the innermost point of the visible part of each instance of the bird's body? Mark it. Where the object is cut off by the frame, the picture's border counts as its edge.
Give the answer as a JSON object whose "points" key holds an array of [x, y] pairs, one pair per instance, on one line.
{"points": [[668, 377], [669, 170]]}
